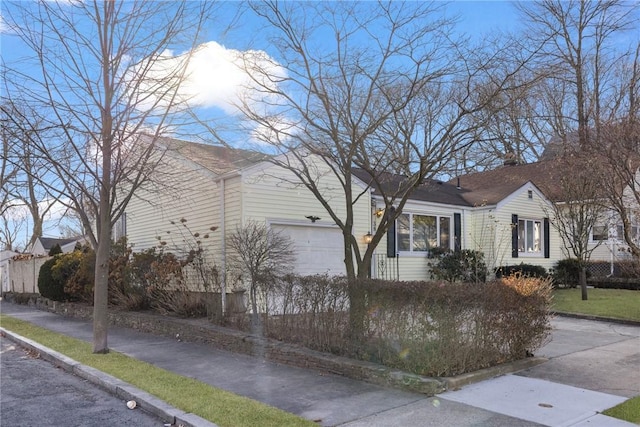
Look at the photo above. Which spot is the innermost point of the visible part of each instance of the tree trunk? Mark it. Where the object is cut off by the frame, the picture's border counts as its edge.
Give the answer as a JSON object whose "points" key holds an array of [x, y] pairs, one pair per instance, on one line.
{"points": [[101, 290], [357, 310], [583, 282]]}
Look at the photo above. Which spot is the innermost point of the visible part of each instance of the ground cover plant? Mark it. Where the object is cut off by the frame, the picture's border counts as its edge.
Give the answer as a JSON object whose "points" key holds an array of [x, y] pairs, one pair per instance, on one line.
{"points": [[628, 410], [187, 394], [613, 303]]}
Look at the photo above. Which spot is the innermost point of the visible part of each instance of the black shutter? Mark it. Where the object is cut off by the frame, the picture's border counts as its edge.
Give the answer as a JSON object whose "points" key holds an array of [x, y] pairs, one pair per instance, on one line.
{"points": [[391, 234], [546, 238], [514, 236], [457, 232]]}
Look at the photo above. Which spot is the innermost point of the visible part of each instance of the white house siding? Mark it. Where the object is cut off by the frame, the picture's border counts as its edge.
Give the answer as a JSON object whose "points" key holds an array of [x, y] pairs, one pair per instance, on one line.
{"points": [[269, 195], [537, 207], [233, 204], [188, 193]]}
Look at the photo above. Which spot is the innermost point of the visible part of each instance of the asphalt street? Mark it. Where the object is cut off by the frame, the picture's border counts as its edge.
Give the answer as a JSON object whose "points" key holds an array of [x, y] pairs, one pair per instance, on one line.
{"points": [[35, 393]]}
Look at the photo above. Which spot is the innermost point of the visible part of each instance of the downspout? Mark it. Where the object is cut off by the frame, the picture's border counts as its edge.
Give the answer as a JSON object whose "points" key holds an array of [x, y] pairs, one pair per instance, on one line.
{"points": [[373, 228], [223, 276]]}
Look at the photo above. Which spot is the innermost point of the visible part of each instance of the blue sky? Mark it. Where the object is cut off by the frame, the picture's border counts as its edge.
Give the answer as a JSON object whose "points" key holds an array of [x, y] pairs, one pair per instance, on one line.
{"points": [[475, 19]]}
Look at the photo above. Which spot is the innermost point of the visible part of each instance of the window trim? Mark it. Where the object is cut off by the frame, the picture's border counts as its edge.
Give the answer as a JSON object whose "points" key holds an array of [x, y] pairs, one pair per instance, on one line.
{"points": [[542, 244]]}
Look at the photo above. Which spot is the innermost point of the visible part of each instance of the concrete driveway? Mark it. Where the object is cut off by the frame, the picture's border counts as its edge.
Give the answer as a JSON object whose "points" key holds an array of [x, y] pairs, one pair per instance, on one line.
{"points": [[592, 366]]}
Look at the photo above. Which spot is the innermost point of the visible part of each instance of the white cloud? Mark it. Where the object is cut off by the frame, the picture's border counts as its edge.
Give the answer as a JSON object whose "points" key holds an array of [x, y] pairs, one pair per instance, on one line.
{"points": [[215, 76], [18, 211]]}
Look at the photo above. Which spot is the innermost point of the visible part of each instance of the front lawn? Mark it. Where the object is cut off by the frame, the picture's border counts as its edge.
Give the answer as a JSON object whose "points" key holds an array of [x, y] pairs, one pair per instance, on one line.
{"points": [[613, 303], [628, 410]]}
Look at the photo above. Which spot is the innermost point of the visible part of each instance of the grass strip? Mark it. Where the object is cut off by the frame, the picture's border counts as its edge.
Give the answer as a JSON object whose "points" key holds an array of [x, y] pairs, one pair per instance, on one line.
{"points": [[628, 410], [187, 394], [614, 303]]}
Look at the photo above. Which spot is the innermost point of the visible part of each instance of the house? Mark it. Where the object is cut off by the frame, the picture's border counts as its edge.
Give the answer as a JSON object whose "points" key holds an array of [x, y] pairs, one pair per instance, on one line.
{"points": [[505, 218], [43, 245], [207, 191], [541, 179]]}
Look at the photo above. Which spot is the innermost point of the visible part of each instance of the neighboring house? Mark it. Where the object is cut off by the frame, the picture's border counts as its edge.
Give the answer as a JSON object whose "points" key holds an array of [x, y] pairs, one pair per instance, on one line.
{"points": [[205, 192], [542, 181], [43, 245]]}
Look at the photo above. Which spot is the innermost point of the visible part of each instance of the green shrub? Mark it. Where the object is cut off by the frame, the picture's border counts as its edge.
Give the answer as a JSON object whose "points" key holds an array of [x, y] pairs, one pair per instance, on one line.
{"points": [[55, 250], [77, 270], [527, 270], [65, 267], [615, 283], [566, 273], [459, 266], [48, 285]]}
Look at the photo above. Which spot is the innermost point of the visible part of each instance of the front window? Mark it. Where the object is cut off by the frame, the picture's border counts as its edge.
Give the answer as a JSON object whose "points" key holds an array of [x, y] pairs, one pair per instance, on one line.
{"points": [[600, 233], [530, 236], [420, 233]]}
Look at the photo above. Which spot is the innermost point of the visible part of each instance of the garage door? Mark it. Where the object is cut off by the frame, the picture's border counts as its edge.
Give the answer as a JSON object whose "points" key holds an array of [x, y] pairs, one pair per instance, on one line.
{"points": [[318, 249]]}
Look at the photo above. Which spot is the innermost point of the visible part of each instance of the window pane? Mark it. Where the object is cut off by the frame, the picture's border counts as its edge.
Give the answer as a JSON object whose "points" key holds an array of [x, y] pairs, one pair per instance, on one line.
{"points": [[537, 237], [425, 233], [529, 241], [599, 233], [445, 233], [521, 235], [402, 232]]}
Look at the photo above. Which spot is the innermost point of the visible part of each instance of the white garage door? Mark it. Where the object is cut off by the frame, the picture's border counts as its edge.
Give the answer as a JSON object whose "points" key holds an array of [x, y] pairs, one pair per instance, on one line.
{"points": [[318, 249]]}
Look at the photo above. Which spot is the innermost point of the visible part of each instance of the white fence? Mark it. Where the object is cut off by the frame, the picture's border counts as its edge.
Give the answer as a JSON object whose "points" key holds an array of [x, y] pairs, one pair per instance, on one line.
{"points": [[21, 275]]}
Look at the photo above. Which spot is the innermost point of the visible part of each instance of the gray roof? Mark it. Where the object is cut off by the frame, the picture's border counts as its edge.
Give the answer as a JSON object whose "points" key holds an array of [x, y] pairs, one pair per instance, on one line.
{"points": [[50, 242], [218, 159], [430, 190]]}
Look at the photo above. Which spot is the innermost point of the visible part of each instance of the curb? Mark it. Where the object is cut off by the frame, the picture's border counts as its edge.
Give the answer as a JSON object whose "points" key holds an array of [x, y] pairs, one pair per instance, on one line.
{"points": [[113, 385], [597, 318], [459, 381]]}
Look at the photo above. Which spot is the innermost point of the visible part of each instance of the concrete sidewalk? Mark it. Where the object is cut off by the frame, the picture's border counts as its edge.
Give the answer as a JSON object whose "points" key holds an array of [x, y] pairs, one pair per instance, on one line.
{"points": [[552, 398]]}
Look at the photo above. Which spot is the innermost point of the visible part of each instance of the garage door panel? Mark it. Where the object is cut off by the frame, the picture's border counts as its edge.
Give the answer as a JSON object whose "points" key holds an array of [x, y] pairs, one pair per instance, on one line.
{"points": [[318, 249]]}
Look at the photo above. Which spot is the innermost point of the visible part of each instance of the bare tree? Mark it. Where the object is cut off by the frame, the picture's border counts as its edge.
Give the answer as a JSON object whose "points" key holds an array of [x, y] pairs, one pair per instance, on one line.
{"points": [[579, 43], [101, 73], [29, 167], [621, 173], [387, 92], [262, 255], [579, 46], [622, 154], [580, 206], [509, 125], [8, 170]]}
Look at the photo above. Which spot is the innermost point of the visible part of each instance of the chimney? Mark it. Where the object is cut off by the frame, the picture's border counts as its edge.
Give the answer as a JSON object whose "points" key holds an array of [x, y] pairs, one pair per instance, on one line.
{"points": [[510, 159]]}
